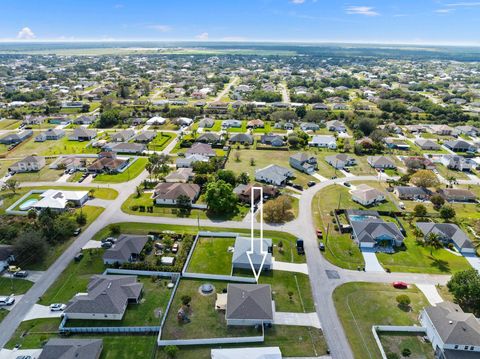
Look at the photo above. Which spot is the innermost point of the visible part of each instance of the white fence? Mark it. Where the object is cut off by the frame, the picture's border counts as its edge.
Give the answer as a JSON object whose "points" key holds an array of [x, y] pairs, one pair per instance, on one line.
{"points": [[393, 329], [141, 272], [10, 210], [210, 341], [229, 278]]}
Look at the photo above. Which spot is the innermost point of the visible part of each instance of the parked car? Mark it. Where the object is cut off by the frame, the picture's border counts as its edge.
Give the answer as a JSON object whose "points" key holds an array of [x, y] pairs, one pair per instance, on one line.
{"points": [[297, 186], [21, 274], [24, 357], [321, 246], [311, 183], [300, 249], [319, 233], [400, 285], [5, 301], [77, 231], [347, 184], [78, 257], [107, 245], [175, 248], [333, 177], [14, 269], [109, 239], [346, 169], [57, 307]]}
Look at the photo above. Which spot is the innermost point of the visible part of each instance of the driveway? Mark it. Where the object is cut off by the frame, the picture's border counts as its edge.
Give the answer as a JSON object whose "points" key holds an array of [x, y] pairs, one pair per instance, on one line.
{"points": [[13, 354], [290, 267], [63, 178], [41, 311], [319, 177], [33, 276], [474, 262], [91, 244], [298, 319], [430, 292], [371, 262]]}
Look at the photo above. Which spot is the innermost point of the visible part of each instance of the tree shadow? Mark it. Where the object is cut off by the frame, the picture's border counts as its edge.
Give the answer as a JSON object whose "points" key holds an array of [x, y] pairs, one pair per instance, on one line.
{"points": [[440, 264]]}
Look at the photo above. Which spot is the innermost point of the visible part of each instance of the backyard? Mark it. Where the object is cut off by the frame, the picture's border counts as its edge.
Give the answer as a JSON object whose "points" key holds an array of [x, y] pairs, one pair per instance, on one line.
{"points": [[161, 141], [397, 342], [211, 256], [130, 173], [362, 305]]}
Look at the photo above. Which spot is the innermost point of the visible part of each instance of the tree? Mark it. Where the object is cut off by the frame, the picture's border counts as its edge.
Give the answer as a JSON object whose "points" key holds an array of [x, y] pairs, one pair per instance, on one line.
{"points": [[171, 351], [433, 241], [243, 178], [115, 229], [186, 299], [227, 176], [63, 227], [447, 212], [406, 352], [367, 126], [424, 178], [277, 210], [437, 201], [109, 118], [301, 111], [465, 287], [403, 300], [420, 210], [220, 197], [184, 203], [11, 185], [30, 247], [81, 218]]}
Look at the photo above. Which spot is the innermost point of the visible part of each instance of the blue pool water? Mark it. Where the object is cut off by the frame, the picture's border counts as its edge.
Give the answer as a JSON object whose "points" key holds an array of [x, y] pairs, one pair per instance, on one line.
{"points": [[358, 217], [25, 206]]}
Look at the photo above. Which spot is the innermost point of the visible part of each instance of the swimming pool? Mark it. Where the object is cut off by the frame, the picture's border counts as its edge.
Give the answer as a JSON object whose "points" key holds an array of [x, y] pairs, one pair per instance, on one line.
{"points": [[25, 206], [360, 217]]}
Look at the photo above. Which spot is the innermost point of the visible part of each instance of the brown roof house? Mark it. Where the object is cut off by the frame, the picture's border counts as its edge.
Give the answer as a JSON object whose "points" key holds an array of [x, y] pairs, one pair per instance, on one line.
{"points": [[107, 162], [168, 193], [249, 304], [457, 195], [202, 149], [107, 298], [244, 192]]}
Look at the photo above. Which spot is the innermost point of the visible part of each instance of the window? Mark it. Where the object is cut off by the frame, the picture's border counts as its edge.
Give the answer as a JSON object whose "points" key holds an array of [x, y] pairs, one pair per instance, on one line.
{"points": [[456, 347], [466, 347]]}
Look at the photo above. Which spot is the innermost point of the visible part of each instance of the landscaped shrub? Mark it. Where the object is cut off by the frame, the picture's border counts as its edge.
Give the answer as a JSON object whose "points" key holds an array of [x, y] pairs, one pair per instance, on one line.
{"points": [[406, 352], [393, 356], [134, 208]]}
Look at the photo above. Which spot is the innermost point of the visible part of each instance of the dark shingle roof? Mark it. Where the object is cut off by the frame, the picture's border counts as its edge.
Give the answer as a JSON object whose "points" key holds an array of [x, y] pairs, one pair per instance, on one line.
{"points": [[249, 301], [72, 349]]}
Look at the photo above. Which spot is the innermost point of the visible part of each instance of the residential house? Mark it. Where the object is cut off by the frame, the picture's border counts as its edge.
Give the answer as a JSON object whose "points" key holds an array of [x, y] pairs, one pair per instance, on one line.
{"points": [[156, 121], [340, 106], [206, 123], [210, 137], [85, 120], [107, 298], [319, 106], [57, 348], [380, 162], [457, 195], [122, 136], [442, 130], [181, 175], [309, 126], [57, 200], [188, 161], [126, 249], [51, 134], [255, 124], [107, 162], [457, 163], [70, 163], [467, 130], [82, 134], [231, 124], [418, 162], [183, 121], [426, 144], [303, 162], [366, 195], [336, 126], [145, 136], [249, 304], [6, 256], [273, 174], [448, 233], [340, 161], [452, 333], [460, 146], [242, 138], [243, 245], [323, 141], [398, 145], [14, 138], [28, 164], [125, 147], [272, 140], [168, 193], [202, 149], [244, 192], [412, 193], [416, 129]]}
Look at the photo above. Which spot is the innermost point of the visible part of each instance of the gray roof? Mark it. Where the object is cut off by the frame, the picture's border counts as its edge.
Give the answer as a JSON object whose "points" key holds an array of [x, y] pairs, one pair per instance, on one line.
{"points": [[83, 132], [369, 230], [209, 137], [274, 172], [122, 135], [107, 294], [249, 301], [244, 244], [5, 252], [412, 191], [302, 157], [72, 349], [125, 246], [242, 137], [453, 325], [126, 146], [338, 157], [446, 231], [380, 161], [145, 136]]}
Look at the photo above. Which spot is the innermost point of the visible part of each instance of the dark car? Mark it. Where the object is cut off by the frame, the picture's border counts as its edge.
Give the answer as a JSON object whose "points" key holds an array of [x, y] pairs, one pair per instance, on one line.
{"points": [[77, 232], [346, 169], [78, 257], [107, 245], [347, 184], [333, 177], [311, 183], [21, 274], [297, 186], [300, 249], [321, 246]]}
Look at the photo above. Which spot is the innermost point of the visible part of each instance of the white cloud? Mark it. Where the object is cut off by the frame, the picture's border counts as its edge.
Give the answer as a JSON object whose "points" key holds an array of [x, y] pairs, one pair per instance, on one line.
{"points": [[26, 34], [297, 2], [203, 36], [443, 11], [161, 28], [464, 4], [362, 10]]}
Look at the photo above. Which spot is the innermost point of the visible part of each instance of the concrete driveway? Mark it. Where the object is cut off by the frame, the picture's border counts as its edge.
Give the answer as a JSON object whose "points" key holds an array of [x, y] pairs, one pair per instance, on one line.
{"points": [[33, 276], [298, 319], [430, 292], [474, 262], [42, 311], [371, 262], [91, 244], [13, 354], [290, 267]]}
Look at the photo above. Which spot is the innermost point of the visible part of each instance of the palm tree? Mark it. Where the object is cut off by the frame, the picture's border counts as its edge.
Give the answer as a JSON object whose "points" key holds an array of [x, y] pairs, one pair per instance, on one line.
{"points": [[433, 241], [451, 180]]}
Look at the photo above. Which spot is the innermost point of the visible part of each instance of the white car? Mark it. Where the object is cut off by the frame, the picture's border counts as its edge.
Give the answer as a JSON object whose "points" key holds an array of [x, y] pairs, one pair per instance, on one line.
{"points": [[57, 307], [4, 301]]}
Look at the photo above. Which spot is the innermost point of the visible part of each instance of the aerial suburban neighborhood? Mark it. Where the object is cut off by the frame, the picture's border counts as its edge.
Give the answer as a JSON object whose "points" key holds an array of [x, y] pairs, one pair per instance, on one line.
{"points": [[225, 201]]}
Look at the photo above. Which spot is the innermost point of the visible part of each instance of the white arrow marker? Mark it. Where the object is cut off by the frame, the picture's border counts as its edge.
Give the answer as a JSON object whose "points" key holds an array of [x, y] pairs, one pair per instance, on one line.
{"points": [[251, 253]]}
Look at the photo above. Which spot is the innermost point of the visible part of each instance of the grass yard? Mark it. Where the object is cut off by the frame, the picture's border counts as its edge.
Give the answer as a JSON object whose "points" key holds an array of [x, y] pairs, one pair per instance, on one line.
{"points": [[14, 285], [130, 173], [46, 174], [149, 311], [3, 314], [292, 340], [263, 158], [217, 126], [9, 124], [396, 342], [161, 141], [242, 129], [362, 305], [446, 173], [211, 256], [50, 148], [206, 322], [324, 169], [418, 259], [362, 168]]}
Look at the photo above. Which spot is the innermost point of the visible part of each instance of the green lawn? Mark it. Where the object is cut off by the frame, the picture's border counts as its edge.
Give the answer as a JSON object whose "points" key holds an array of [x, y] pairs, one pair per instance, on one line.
{"points": [[9, 124], [161, 141], [446, 173], [3, 314], [362, 168], [362, 305], [418, 259], [211, 256], [396, 342], [49, 148], [14, 285], [46, 174], [148, 312], [130, 173]]}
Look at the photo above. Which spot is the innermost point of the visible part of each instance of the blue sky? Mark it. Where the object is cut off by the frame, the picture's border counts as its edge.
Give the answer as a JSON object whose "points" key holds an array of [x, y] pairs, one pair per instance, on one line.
{"points": [[383, 21]]}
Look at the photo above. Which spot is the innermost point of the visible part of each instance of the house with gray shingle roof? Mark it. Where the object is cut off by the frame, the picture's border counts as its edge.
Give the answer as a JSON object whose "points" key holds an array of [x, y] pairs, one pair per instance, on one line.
{"points": [[126, 249], [273, 174], [249, 304], [107, 298], [427, 144], [242, 138], [448, 233], [82, 134], [28, 164], [51, 134], [303, 162], [453, 333], [340, 161], [380, 162], [243, 245], [145, 136], [122, 136], [57, 348]]}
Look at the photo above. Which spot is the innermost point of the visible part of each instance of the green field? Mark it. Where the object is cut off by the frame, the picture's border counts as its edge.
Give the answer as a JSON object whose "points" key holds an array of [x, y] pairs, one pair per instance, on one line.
{"points": [[130, 173], [161, 141], [9, 285], [211, 256], [51, 148]]}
